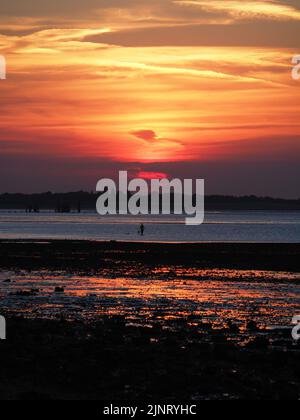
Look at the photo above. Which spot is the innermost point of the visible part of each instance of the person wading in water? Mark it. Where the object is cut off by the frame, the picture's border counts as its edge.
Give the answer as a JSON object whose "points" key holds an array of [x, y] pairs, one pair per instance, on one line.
{"points": [[142, 230]]}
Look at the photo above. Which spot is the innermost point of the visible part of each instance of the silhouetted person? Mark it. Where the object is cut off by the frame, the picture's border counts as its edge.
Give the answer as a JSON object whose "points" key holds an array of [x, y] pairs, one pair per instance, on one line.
{"points": [[142, 229]]}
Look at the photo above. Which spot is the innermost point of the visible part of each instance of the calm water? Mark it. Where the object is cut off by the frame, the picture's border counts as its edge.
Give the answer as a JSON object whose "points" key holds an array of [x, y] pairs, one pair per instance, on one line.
{"points": [[244, 226]]}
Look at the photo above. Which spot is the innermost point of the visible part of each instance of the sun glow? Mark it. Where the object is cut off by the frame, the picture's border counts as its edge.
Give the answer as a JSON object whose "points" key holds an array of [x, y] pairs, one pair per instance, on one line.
{"points": [[89, 89]]}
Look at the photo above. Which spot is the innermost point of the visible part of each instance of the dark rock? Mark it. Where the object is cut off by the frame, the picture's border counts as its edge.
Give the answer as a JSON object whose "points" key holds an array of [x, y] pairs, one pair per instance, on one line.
{"points": [[233, 328], [27, 293], [252, 326]]}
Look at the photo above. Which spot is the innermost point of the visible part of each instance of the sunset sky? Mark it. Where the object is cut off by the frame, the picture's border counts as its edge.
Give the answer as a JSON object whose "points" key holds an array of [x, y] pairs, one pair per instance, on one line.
{"points": [[194, 88]]}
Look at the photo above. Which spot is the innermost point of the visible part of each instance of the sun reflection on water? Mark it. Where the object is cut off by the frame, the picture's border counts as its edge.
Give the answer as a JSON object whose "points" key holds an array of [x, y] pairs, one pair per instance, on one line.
{"points": [[197, 296]]}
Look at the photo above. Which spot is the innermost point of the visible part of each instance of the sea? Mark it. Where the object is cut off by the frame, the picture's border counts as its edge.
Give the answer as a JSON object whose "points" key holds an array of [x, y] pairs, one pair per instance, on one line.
{"points": [[219, 226]]}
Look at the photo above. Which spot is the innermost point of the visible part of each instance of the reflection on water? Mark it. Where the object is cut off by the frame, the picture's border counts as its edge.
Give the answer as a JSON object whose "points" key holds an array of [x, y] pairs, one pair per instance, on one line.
{"points": [[271, 299]]}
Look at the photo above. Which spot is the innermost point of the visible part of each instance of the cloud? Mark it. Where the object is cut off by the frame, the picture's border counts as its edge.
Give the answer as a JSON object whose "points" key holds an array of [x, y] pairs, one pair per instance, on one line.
{"points": [[47, 8], [157, 148], [147, 135], [159, 22], [279, 34], [247, 9], [51, 41], [143, 10], [17, 15]]}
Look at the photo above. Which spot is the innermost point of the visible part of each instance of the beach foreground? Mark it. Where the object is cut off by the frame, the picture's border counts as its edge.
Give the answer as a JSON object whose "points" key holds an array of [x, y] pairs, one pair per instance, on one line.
{"points": [[138, 258], [125, 321], [108, 360]]}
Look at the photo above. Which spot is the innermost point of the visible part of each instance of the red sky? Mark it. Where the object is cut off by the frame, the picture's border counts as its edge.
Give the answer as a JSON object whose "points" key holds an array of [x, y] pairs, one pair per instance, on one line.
{"points": [[186, 88]]}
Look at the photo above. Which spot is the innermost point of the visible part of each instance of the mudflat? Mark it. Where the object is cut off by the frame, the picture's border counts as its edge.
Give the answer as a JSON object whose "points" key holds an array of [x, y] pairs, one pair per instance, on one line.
{"points": [[97, 256], [137, 321]]}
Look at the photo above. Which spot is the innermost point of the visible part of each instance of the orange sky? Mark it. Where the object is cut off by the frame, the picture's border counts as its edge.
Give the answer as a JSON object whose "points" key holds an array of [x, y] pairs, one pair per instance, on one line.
{"points": [[138, 82]]}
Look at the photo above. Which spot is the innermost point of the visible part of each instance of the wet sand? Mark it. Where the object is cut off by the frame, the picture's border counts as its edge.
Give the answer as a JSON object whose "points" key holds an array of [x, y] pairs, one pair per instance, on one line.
{"points": [[124, 321], [215, 296]]}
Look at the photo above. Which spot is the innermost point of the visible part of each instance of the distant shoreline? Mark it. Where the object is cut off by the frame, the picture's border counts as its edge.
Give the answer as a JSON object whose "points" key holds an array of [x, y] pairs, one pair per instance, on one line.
{"points": [[93, 211], [81, 201]]}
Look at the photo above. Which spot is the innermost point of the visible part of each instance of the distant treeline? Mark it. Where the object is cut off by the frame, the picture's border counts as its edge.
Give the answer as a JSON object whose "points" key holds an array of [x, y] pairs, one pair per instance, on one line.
{"points": [[79, 201]]}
